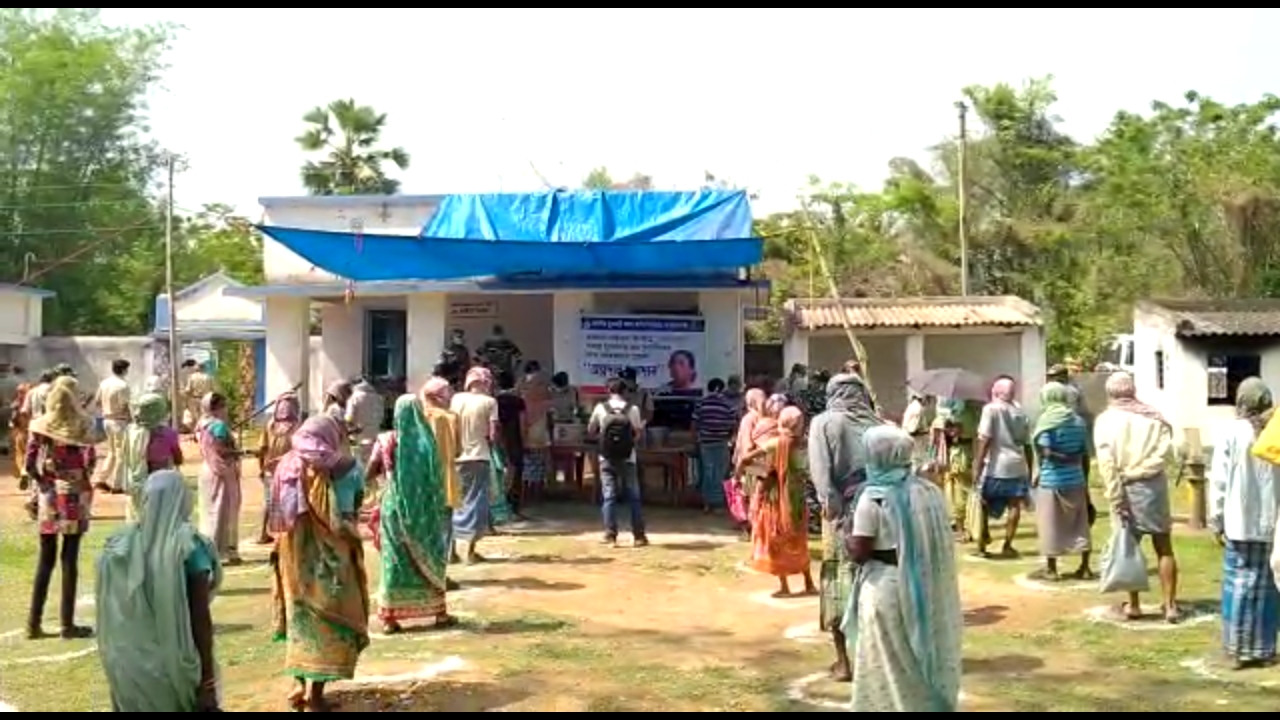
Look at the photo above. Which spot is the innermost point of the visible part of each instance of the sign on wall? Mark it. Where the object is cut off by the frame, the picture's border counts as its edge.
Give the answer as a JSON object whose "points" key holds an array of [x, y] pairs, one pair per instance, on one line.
{"points": [[479, 310], [666, 351]]}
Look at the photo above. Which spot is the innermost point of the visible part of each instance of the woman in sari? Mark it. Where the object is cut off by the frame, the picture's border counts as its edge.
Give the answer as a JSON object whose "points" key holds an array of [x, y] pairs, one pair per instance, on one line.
{"points": [[321, 577], [904, 620], [220, 497], [59, 459], [336, 397], [779, 515], [755, 427], [1061, 481], [150, 446], [156, 580], [277, 435], [536, 392], [413, 521], [1244, 492]]}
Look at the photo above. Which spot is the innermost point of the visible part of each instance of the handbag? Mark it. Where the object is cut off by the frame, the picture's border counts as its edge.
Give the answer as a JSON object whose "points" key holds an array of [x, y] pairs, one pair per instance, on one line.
{"points": [[1124, 568], [1267, 446], [736, 500]]}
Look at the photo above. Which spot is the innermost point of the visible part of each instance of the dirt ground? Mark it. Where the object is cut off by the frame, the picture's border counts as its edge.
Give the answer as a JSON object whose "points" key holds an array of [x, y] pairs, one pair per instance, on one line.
{"points": [[557, 622]]}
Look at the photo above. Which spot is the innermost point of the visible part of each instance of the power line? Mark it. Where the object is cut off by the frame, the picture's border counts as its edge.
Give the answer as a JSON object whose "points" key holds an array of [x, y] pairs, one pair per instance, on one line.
{"points": [[77, 203], [74, 231], [86, 248]]}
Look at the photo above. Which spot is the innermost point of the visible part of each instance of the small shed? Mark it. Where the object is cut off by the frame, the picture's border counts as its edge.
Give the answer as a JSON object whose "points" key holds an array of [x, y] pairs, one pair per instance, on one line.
{"points": [[989, 336], [21, 313], [1190, 356]]}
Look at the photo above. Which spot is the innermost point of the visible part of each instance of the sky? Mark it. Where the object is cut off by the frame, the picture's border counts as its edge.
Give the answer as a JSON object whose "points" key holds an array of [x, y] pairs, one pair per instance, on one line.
{"points": [[763, 97]]}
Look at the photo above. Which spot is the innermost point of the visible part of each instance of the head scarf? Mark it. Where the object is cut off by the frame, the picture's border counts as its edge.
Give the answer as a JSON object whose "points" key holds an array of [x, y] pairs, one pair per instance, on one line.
{"points": [[847, 393], [206, 404], [1254, 403], [64, 421], [1122, 393], [479, 379], [755, 402], [151, 411], [928, 587], [774, 406], [287, 414], [1003, 390], [339, 392], [144, 633], [1056, 408], [318, 443], [437, 392]]}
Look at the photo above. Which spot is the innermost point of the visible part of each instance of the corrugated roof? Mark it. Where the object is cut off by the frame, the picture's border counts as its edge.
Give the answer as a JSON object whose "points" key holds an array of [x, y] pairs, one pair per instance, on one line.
{"points": [[1208, 318], [914, 312]]}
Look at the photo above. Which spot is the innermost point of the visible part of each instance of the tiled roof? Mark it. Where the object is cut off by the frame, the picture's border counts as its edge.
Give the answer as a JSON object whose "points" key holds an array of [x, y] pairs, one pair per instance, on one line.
{"points": [[1206, 318], [921, 312]]}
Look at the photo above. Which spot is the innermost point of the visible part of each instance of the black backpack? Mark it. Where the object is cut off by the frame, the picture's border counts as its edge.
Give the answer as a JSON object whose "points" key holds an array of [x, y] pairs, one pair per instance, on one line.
{"points": [[617, 436]]}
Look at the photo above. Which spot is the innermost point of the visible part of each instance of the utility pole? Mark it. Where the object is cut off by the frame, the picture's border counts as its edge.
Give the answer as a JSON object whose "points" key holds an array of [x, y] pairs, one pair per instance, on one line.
{"points": [[175, 349], [962, 196]]}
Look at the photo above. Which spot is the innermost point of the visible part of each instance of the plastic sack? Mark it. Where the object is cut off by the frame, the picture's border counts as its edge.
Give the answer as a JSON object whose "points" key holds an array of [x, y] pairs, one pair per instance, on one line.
{"points": [[1267, 446], [1124, 568], [736, 499]]}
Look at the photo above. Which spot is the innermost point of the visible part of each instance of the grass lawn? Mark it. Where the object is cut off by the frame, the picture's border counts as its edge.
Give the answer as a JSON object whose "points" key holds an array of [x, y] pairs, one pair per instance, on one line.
{"points": [[558, 623]]}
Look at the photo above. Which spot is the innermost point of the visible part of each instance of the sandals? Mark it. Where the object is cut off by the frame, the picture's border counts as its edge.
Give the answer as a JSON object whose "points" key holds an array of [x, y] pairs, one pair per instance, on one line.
{"points": [[1173, 615], [1128, 613]]}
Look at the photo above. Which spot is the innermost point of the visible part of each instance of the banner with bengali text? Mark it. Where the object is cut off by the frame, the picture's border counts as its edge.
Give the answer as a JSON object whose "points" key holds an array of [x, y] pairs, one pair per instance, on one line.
{"points": [[665, 350]]}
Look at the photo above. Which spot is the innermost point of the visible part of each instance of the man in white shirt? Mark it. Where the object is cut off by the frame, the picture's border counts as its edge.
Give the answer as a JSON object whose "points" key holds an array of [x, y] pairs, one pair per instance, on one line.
{"points": [[477, 413], [364, 417], [1134, 443], [113, 401], [617, 426]]}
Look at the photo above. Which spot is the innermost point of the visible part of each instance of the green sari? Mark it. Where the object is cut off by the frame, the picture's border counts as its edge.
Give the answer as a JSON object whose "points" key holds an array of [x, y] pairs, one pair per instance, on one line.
{"points": [[415, 522]]}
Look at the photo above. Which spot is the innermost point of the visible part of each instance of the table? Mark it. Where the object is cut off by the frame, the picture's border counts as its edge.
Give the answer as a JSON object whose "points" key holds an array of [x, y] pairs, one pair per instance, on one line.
{"points": [[673, 460]]}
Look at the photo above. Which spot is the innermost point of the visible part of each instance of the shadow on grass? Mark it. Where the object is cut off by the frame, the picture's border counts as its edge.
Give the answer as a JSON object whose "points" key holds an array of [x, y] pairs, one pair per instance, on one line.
{"points": [[231, 628], [1002, 665], [437, 696], [530, 584], [522, 626], [984, 616], [244, 591], [544, 559]]}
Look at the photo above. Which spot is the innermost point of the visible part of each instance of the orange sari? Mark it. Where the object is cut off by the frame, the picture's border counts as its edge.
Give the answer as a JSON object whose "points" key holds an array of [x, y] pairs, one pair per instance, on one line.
{"points": [[779, 515]]}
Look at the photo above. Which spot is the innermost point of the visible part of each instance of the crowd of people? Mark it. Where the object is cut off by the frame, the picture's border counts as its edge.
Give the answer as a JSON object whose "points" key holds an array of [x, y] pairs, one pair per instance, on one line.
{"points": [[892, 499]]}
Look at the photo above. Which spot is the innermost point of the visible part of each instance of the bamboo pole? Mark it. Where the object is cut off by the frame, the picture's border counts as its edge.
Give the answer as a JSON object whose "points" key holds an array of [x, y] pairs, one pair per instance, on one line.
{"points": [[859, 351]]}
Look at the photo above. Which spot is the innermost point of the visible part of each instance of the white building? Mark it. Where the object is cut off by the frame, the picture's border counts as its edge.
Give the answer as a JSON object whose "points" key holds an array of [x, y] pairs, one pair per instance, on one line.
{"points": [[989, 336], [21, 314], [399, 328], [1190, 356]]}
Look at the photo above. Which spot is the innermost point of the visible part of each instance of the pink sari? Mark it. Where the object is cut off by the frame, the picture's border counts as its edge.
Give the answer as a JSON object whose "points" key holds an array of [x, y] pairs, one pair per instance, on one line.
{"points": [[220, 496]]}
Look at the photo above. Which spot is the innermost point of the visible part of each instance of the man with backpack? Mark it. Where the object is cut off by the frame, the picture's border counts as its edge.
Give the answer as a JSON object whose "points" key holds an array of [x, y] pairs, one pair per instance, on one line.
{"points": [[617, 426]]}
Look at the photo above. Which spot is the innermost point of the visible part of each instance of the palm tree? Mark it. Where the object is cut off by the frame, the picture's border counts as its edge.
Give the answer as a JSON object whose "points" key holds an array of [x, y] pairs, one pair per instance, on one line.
{"points": [[348, 134]]}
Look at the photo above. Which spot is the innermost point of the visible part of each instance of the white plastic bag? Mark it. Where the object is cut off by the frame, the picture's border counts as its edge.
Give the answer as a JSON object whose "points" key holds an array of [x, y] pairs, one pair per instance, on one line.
{"points": [[1124, 568]]}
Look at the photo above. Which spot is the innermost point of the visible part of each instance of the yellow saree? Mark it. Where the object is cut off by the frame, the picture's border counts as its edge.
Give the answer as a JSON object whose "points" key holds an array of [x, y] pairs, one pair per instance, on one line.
{"points": [[324, 588]]}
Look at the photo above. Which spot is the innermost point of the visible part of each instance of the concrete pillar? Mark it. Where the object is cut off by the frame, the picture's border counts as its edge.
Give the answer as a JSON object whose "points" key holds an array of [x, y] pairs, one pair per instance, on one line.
{"points": [[428, 316], [915, 356], [1033, 366], [566, 315], [723, 356], [288, 322], [795, 349], [342, 342]]}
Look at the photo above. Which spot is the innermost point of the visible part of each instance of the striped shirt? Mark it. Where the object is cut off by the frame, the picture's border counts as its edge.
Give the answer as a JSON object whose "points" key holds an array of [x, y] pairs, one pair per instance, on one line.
{"points": [[716, 418], [1071, 439]]}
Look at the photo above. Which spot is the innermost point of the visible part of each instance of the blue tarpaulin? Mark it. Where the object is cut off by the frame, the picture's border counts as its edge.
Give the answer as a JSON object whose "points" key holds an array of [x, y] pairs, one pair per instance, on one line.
{"points": [[547, 234]]}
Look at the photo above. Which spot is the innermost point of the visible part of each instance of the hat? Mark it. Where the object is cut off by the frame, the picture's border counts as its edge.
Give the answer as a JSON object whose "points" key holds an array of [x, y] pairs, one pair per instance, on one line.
{"points": [[1058, 370], [64, 369]]}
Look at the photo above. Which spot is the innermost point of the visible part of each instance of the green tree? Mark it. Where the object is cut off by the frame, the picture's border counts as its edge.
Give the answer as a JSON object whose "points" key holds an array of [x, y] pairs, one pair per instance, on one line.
{"points": [[600, 179], [348, 134], [75, 166]]}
